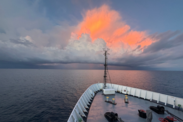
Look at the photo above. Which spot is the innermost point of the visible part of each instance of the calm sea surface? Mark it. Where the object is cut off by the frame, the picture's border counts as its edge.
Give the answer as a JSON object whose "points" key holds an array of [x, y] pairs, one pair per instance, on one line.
{"points": [[31, 95]]}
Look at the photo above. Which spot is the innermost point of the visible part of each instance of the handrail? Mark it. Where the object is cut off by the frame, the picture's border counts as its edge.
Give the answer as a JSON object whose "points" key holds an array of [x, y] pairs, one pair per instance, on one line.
{"points": [[85, 99]]}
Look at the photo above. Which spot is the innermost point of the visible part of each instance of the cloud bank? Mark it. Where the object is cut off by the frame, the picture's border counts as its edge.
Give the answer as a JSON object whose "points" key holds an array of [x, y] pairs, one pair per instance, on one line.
{"points": [[36, 42], [108, 24]]}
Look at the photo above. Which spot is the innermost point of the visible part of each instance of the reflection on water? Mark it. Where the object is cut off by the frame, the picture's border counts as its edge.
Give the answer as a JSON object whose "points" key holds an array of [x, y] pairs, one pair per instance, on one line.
{"points": [[50, 95]]}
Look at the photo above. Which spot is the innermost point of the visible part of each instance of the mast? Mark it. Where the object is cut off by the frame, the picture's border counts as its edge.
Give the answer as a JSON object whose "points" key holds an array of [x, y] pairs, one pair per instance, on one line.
{"points": [[105, 67]]}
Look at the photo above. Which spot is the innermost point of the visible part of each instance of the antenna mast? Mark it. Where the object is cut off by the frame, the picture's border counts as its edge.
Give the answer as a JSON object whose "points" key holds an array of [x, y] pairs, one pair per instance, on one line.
{"points": [[105, 67]]}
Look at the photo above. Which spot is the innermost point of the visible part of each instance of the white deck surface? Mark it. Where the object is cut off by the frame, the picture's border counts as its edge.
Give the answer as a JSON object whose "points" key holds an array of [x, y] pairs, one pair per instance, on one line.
{"points": [[127, 112]]}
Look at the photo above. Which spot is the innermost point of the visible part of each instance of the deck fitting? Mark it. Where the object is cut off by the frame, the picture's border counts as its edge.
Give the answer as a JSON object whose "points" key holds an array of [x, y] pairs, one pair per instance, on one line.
{"points": [[111, 102]]}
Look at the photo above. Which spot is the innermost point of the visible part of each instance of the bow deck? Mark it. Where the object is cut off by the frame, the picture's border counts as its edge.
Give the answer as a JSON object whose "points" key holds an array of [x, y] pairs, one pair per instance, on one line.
{"points": [[127, 112]]}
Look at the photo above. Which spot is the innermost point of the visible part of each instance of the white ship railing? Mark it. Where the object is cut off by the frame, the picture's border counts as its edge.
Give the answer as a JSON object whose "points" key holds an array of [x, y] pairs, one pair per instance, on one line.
{"points": [[83, 102]]}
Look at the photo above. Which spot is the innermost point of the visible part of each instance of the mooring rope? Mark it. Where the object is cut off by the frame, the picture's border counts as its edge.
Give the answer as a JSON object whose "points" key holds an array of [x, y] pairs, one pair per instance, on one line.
{"points": [[179, 119]]}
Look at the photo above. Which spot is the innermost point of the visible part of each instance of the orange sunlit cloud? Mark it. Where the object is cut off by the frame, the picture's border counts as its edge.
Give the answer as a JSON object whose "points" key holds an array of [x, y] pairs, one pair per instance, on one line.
{"points": [[107, 24]]}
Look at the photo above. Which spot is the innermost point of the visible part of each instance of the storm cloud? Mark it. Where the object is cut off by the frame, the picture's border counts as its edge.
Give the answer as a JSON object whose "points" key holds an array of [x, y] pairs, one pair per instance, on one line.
{"points": [[28, 39]]}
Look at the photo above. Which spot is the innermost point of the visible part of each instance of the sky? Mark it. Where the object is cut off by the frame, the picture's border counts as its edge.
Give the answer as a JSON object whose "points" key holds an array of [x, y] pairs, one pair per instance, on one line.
{"points": [[60, 34]]}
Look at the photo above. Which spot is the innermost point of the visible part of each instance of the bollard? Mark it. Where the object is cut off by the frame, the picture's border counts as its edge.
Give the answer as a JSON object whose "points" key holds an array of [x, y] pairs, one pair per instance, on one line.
{"points": [[113, 100], [126, 99], [107, 98]]}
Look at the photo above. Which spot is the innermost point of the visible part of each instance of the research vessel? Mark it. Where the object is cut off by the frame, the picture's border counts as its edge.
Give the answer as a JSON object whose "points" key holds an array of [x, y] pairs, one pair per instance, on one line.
{"points": [[108, 102]]}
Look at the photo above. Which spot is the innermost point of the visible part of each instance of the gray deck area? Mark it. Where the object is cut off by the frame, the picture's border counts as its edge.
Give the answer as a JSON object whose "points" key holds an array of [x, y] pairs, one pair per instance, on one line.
{"points": [[127, 112]]}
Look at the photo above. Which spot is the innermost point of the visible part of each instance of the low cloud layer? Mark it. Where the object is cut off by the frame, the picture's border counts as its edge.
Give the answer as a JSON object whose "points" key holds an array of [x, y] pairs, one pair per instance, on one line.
{"points": [[32, 44]]}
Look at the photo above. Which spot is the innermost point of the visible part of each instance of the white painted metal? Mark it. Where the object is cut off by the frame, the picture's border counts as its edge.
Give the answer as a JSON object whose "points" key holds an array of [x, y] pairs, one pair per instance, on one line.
{"points": [[132, 91], [149, 95], [97, 87], [73, 118], [156, 97], [137, 92], [80, 110], [83, 101], [92, 88], [171, 100], [86, 98], [88, 95], [128, 90], [91, 93], [77, 114], [81, 105], [179, 101], [166, 100], [100, 85], [143, 94], [108, 91], [116, 87], [163, 98], [124, 90], [120, 88]]}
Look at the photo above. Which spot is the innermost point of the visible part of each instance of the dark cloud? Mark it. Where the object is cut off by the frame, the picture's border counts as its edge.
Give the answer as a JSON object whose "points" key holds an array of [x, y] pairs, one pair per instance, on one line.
{"points": [[138, 48], [22, 42], [2, 31], [30, 38], [166, 40], [166, 52]]}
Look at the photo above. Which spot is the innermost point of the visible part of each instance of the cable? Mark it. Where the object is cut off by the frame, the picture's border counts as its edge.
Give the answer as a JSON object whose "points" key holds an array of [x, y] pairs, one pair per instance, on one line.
{"points": [[179, 119], [109, 77]]}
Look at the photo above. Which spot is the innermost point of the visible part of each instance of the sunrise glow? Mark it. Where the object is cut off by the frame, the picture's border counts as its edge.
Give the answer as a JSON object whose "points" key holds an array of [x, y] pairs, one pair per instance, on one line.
{"points": [[108, 24]]}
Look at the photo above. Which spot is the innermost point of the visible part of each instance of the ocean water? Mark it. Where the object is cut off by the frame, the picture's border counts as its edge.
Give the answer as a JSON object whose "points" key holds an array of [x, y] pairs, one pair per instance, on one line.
{"points": [[34, 95]]}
